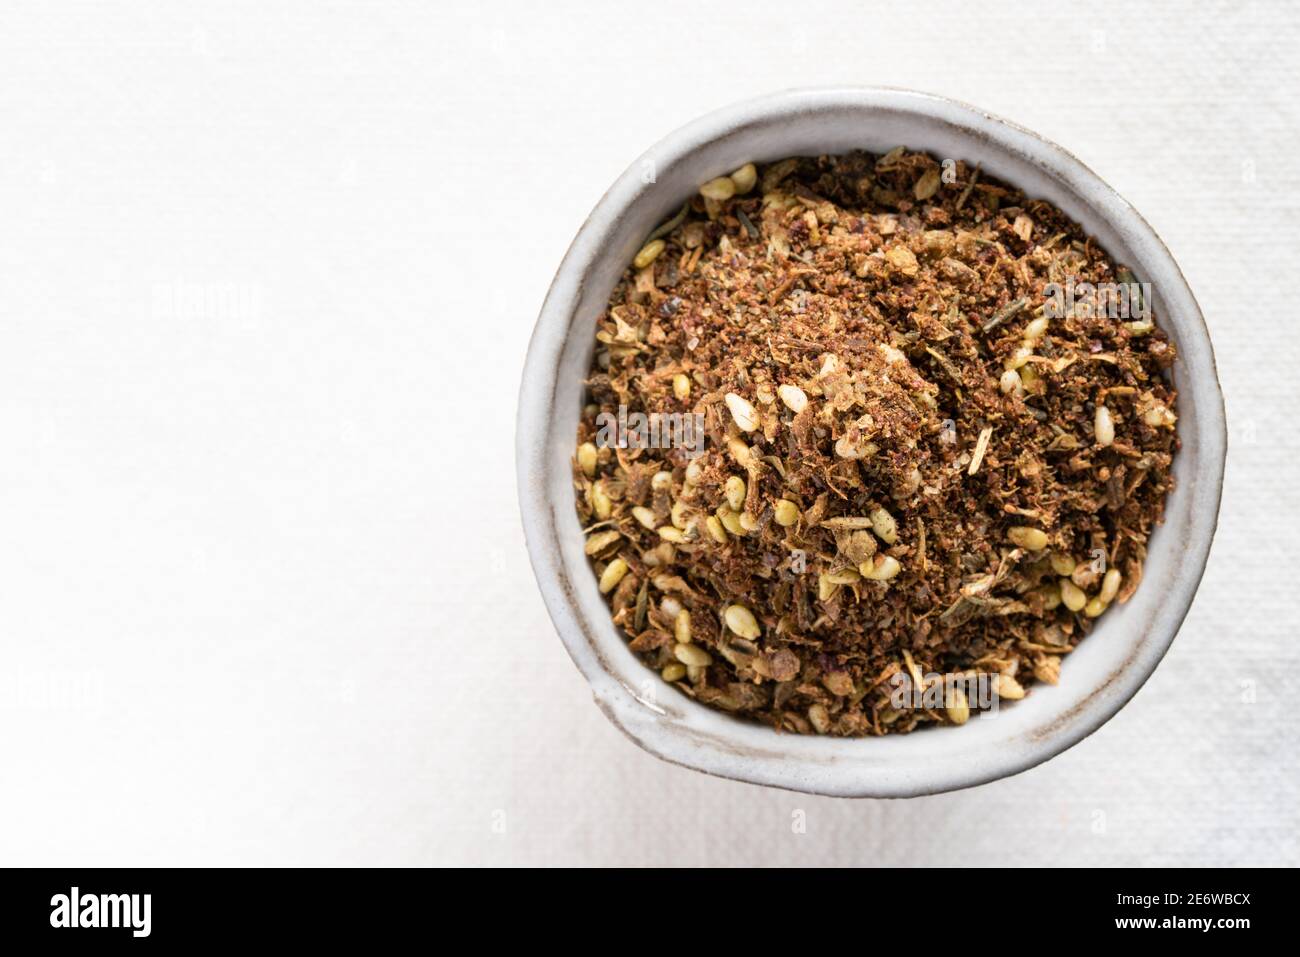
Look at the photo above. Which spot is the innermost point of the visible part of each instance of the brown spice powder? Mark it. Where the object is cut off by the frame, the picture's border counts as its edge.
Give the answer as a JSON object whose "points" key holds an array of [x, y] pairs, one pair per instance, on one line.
{"points": [[914, 466]]}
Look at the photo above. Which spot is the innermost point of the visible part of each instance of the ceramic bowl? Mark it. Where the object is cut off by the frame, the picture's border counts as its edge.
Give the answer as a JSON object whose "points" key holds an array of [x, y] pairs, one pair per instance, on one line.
{"points": [[1097, 679]]}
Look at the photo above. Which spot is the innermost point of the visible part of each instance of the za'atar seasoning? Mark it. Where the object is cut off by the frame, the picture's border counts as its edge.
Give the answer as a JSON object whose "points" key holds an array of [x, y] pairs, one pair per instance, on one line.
{"points": [[865, 433]]}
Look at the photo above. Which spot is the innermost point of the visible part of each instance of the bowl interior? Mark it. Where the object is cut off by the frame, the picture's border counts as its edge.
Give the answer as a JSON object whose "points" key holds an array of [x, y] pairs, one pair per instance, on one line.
{"points": [[1097, 678]]}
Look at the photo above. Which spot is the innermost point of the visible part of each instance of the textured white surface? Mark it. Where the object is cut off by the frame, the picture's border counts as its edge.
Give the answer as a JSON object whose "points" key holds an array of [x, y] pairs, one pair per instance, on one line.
{"points": [[267, 275]]}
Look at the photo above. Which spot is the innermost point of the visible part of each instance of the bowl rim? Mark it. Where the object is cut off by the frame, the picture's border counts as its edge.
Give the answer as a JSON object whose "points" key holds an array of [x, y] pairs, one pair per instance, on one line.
{"points": [[734, 752]]}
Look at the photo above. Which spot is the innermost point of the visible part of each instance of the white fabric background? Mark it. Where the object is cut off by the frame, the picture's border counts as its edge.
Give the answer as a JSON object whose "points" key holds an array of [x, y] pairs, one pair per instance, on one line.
{"points": [[267, 275]]}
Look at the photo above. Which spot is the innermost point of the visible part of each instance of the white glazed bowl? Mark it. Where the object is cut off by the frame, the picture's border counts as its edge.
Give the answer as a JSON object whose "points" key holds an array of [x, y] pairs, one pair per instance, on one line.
{"points": [[1096, 679]]}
